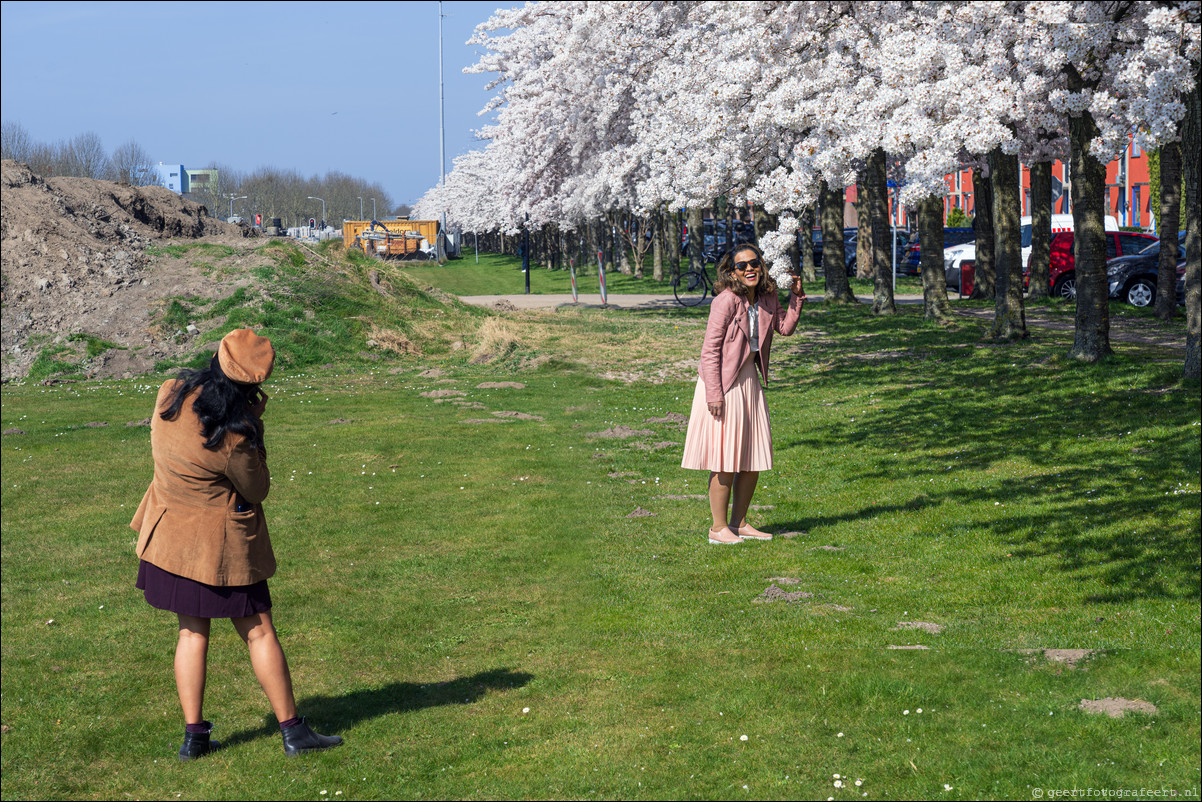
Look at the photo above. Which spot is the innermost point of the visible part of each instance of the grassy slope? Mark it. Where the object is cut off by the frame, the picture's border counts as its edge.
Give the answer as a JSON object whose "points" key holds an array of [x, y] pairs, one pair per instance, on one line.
{"points": [[440, 577]]}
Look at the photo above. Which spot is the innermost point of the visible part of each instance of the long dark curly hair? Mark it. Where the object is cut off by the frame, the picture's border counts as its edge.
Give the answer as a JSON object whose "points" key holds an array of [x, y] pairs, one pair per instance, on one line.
{"points": [[728, 281], [223, 405]]}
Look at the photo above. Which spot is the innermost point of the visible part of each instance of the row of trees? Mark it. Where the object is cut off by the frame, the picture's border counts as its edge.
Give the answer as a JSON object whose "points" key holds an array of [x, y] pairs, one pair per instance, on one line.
{"points": [[82, 156], [269, 191], [633, 107]]}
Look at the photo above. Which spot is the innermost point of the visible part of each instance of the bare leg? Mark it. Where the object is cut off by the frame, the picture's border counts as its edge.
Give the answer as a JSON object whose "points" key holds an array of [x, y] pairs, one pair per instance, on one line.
{"points": [[745, 483], [270, 665], [720, 484], [191, 662]]}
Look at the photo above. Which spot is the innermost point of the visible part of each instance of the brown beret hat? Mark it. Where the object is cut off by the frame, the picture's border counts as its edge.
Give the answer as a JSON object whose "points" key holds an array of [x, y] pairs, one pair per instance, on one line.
{"points": [[246, 357]]}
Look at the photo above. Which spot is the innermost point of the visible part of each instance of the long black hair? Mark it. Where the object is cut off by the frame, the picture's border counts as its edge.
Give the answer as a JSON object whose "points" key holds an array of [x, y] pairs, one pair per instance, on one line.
{"points": [[223, 405]]}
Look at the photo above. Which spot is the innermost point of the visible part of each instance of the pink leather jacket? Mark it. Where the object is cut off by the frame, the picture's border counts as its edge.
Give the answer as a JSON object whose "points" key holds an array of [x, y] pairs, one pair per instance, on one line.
{"points": [[728, 334]]}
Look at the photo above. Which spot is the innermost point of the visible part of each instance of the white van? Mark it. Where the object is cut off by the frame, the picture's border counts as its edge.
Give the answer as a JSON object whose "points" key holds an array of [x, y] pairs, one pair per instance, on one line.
{"points": [[953, 256]]}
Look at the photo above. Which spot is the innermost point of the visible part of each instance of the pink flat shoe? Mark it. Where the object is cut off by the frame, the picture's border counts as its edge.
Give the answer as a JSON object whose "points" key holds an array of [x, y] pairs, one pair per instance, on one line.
{"points": [[749, 531], [725, 529]]}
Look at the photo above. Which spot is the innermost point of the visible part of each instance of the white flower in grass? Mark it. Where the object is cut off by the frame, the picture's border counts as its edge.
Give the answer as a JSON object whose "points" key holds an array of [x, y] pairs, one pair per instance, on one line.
{"points": [[946, 787], [742, 737], [840, 735], [838, 783], [905, 712], [859, 783]]}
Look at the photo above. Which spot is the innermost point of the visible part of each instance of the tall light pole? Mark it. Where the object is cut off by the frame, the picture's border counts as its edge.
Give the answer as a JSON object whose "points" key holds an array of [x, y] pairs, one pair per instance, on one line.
{"points": [[360, 208], [373, 208], [442, 145], [232, 199], [323, 207]]}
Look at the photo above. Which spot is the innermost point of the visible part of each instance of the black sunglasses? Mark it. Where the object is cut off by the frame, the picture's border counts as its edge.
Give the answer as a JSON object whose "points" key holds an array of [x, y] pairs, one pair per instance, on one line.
{"points": [[741, 267]]}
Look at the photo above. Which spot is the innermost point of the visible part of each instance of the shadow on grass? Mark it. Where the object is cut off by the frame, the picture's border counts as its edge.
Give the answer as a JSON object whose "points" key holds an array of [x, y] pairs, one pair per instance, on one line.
{"points": [[1102, 446], [333, 714]]}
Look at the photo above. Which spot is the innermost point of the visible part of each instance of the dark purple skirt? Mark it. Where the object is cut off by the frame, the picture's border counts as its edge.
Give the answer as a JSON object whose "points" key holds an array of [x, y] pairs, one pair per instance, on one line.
{"points": [[184, 596]]}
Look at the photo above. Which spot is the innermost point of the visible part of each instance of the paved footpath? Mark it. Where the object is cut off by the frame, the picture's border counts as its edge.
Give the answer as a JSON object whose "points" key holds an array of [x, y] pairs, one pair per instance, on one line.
{"points": [[616, 301], [1121, 329]]}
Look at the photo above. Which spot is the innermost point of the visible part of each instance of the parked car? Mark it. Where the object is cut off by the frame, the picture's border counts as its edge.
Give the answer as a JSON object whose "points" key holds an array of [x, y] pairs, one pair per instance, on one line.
{"points": [[1133, 277], [849, 248], [951, 236], [1062, 274], [1061, 223], [713, 247], [956, 260], [903, 244]]}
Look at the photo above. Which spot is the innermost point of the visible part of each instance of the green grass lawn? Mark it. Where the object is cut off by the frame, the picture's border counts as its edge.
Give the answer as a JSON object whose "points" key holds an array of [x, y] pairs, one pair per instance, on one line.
{"points": [[501, 274], [490, 596]]}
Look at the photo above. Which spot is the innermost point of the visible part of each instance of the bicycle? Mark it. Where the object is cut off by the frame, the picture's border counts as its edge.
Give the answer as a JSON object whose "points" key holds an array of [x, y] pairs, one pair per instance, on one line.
{"points": [[691, 287]]}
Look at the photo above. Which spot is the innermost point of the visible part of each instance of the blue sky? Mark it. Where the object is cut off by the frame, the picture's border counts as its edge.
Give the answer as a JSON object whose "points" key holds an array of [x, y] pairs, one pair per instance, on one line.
{"points": [[313, 87]]}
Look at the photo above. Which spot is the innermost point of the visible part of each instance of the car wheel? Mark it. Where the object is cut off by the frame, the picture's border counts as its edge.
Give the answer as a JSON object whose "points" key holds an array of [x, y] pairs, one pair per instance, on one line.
{"points": [[851, 268], [1141, 292], [1066, 287]]}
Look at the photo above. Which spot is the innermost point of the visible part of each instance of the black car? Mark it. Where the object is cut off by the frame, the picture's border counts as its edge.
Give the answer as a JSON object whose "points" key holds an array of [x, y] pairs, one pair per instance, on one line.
{"points": [[1133, 278], [849, 248], [903, 244], [951, 236], [713, 247]]}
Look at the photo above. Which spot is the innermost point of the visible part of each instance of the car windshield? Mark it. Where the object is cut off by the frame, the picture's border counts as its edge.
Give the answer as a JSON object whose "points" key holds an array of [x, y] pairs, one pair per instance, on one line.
{"points": [[1154, 248], [1026, 230]]}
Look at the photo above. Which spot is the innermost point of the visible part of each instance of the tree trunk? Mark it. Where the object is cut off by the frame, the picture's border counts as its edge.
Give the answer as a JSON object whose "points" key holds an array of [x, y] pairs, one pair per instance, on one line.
{"points": [[625, 265], [593, 243], [1009, 317], [657, 244], [1091, 342], [1191, 146], [1041, 230], [808, 270], [834, 271], [982, 221], [877, 197], [934, 283], [1169, 218], [696, 225], [863, 229], [673, 236]]}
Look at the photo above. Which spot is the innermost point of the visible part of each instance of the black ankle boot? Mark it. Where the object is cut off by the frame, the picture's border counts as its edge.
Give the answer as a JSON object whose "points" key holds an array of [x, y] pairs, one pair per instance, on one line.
{"points": [[300, 738], [197, 744]]}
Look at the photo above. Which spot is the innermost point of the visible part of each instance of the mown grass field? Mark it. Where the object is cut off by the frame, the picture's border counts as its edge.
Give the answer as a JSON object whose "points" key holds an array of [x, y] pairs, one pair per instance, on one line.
{"points": [[489, 593], [501, 274]]}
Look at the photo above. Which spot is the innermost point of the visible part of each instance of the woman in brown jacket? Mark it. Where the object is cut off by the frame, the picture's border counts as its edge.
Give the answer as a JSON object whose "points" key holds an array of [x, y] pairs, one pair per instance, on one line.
{"points": [[202, 538]]}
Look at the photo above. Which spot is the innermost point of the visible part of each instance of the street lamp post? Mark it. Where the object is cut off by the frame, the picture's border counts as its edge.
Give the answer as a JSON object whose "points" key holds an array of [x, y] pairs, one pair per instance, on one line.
{"points": [[232, 199], [323, 207], [373, 208], [360, 208]]}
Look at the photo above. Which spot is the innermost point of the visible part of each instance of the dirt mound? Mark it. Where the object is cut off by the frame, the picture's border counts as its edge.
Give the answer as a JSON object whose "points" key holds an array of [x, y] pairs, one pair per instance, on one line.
{"points": [[73, 258]]}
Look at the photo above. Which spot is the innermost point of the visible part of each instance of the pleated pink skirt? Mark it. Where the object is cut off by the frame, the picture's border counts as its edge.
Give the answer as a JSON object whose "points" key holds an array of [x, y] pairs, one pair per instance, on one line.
{"points": [[741, 439]]}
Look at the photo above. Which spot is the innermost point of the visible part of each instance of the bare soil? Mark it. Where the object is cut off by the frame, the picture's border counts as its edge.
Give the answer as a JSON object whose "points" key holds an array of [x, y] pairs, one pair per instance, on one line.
{"points": [[73, 256], [1117, 706]]}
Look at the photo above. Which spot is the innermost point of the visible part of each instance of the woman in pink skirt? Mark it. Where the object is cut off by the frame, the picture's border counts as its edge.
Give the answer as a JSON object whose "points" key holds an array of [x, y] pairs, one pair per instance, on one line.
{"points": [[729, 433]]}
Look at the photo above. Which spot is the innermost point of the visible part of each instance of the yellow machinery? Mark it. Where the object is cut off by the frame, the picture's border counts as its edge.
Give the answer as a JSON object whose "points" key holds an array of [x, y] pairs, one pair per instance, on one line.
{"points": [[390, 239]]}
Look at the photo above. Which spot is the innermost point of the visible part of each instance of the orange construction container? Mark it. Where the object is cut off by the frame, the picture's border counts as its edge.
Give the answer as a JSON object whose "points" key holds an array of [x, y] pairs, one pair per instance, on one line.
{"points": [[389, 238]]}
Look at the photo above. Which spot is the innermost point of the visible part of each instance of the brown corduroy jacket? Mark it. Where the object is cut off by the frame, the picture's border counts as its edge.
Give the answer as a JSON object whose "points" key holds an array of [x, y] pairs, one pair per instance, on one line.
{"points": [[187, 522]]}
